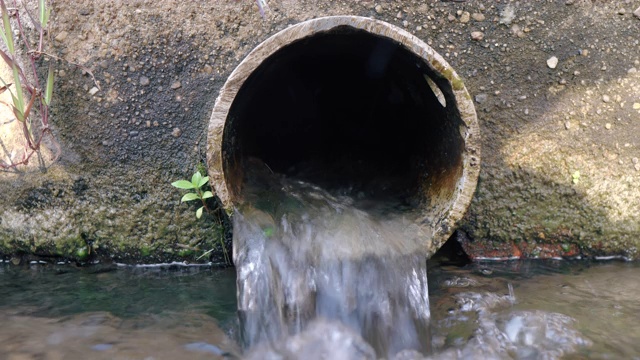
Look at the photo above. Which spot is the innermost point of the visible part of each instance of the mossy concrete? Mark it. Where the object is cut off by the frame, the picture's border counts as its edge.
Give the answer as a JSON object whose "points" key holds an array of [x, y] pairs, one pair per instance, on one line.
{"points": [[160, 64]]}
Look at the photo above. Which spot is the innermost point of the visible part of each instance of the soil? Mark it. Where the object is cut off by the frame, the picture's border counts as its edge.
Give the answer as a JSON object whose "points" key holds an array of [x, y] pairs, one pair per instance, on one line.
{"points": [[560, 144]]}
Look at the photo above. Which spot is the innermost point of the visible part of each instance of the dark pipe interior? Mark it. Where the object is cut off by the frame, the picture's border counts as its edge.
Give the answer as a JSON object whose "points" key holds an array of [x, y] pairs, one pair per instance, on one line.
{"points": [[347, 110]]}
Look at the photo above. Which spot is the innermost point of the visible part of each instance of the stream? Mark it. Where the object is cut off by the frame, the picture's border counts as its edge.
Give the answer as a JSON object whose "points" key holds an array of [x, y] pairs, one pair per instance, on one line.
{"points": [[170, 312]]}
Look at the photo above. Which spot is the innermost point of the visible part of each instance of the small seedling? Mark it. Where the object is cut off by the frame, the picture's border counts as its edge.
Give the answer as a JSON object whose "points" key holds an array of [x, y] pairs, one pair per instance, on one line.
{"points": [[575, 177], [196, 184]]}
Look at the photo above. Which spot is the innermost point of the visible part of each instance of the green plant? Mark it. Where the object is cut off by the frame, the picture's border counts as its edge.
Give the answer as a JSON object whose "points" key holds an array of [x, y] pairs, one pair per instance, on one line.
{"points": [[27, 95], [575, 177], [196, 185]]}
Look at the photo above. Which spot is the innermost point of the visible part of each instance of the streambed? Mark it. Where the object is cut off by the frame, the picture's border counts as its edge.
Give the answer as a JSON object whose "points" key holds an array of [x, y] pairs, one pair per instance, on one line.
{"points": [[55, 312]]}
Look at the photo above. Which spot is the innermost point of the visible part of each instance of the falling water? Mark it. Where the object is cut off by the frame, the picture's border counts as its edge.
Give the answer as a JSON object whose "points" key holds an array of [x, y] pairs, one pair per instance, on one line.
{"points": [[303, 253]]}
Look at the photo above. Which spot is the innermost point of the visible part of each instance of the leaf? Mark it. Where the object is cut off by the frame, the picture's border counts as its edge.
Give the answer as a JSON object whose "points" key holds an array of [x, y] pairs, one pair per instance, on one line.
{"points": [[6, 58], [199, 212], [207, 194], [183, 184], [19, 115], [576, 177], [44, 13], [49, 90], [7, 35], [204, 254], [203, 181], [5, 87], [189, 197], [19, 98], [28, 109], [195, 179], [268, 232]]}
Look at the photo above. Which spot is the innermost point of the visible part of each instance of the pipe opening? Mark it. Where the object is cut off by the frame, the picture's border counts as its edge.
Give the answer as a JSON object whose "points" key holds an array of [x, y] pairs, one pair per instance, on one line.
{"points": [[351, 111]]}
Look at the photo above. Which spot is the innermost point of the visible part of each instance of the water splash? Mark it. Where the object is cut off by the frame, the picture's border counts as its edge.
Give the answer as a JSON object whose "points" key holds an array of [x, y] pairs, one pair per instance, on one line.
{"points": [[302, 253]]}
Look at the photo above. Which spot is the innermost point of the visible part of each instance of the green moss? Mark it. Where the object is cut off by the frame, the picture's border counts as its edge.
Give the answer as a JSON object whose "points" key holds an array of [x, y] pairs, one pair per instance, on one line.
{"points": [[145, 251], [186, 253]]}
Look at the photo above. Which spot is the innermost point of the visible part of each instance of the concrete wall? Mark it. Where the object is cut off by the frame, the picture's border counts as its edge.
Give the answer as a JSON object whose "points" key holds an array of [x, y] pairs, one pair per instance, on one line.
{"points": [[160, 64]]}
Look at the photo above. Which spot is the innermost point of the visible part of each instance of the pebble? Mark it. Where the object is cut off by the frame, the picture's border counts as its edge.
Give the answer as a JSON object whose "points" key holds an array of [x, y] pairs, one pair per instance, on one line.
{"points": [[93, 91], [478, 17], [378, 9], [477, 35], [552, 62], [637, 13], [481, 98], [605, 98], [144, 81], [62, 36], [636, 106], [607, 126], [465, 17], [208, 69], [507, 15], [176, 85], [632, 70], [622, 12], [176, 132], [451, 17]]}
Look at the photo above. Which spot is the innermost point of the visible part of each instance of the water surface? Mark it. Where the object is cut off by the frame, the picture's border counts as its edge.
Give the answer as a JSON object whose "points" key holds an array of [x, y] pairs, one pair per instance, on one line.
{"points": [[49, 312]]}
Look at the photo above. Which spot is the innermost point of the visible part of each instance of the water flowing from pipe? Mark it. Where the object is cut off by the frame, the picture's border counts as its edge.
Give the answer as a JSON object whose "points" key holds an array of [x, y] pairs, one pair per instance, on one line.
{"points": [[304, 253]]}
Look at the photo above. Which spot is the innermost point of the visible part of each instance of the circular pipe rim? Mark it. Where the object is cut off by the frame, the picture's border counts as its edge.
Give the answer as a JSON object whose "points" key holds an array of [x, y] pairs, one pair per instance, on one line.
{"points": [[470, 131]]}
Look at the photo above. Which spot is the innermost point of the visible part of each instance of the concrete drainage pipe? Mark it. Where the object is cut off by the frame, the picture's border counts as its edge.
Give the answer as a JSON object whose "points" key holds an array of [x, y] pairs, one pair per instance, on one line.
{"points": [[350, 100]]}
